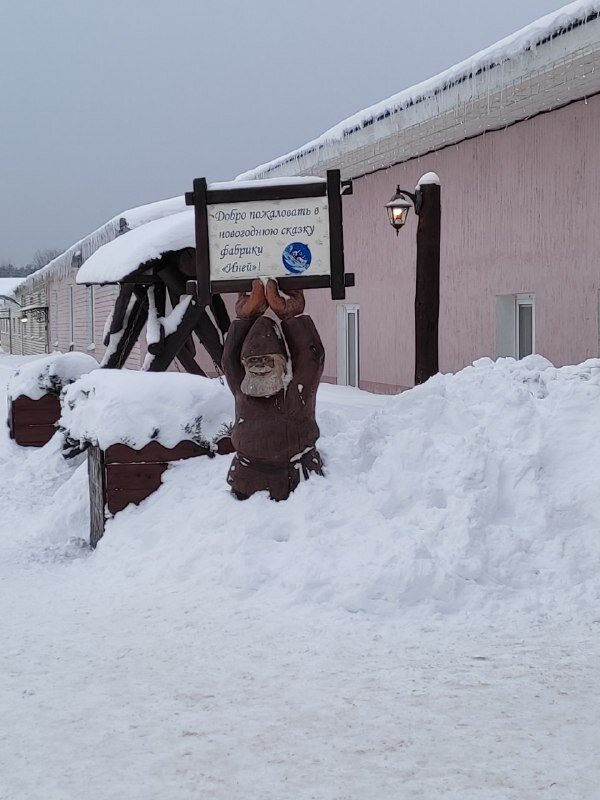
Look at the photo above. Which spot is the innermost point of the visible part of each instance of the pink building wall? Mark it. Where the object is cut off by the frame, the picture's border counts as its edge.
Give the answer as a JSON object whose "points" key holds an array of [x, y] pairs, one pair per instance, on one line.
{"points": [[59, 317], [519, 214]]}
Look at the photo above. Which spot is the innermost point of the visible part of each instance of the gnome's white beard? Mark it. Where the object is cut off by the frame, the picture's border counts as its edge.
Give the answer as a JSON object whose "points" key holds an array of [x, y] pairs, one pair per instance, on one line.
{"points": [[267, 384]]}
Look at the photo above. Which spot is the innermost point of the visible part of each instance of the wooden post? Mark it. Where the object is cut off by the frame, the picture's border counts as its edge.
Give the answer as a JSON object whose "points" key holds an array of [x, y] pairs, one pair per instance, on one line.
{"points": [[336, 237], [427, 295], [198, 199]]}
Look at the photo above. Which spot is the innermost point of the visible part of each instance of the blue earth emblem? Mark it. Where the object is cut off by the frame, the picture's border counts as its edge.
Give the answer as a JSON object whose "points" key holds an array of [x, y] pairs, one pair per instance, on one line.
{"points": [[296, 258]]}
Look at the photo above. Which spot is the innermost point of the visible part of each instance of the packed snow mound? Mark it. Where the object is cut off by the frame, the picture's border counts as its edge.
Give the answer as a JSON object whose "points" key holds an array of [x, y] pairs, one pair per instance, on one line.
{"points": [[474, 494], [49, 374], [126, 407]]}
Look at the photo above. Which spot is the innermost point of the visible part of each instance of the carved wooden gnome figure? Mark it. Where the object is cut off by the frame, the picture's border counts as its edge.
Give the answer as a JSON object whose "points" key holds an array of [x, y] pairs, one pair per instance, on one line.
{"points": [[274, 374]]}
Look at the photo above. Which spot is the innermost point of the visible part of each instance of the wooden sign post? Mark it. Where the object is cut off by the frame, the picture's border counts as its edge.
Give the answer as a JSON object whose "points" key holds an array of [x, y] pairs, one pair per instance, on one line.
{"points": [[291, 232]]}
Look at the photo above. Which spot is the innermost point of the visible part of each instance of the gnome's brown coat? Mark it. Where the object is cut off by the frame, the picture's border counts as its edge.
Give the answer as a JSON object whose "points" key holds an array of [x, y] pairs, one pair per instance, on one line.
{"points": [[274, 437]]}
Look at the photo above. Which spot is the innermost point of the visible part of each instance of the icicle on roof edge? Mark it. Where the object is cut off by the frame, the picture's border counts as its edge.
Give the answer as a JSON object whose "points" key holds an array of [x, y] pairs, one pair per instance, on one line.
{"points": [[533, 35], [77, 253]]}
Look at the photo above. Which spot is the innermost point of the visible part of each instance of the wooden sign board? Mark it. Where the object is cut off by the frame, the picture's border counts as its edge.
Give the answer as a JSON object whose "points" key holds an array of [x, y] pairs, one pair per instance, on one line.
{"points": [[291, 232]]}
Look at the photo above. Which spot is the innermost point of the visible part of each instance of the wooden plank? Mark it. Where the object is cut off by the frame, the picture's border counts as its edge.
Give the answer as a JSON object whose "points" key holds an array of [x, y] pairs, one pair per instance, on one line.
{"points": [[139, 280], [277, 192], [134, 476], [46, 402], [44, 411], [97, 493], [300, 282], [34, 435], [153, 452], [117, 501], [336, 237]]}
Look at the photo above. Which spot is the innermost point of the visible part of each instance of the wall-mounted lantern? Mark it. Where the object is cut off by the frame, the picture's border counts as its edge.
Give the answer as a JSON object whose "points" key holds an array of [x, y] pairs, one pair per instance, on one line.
{"points": [[400, 204]]}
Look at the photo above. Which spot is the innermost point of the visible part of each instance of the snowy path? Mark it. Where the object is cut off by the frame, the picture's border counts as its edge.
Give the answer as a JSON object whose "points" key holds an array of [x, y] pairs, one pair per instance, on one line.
{"points": [[126, 694], [137, 672]]}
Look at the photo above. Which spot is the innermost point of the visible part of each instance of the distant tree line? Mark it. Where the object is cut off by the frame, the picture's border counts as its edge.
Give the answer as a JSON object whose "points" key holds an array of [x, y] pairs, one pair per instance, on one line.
{"points": [[39, 260]]}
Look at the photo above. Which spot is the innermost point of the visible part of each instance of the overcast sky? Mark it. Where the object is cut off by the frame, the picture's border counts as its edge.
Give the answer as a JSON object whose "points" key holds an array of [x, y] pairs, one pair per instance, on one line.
{"points": [[105, 105]]}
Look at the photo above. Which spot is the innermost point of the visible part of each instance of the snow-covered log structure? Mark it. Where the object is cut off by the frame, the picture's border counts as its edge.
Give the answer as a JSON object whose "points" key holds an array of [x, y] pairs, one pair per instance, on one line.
{"points": [[133, 425], [151, 265], [34, 395]]}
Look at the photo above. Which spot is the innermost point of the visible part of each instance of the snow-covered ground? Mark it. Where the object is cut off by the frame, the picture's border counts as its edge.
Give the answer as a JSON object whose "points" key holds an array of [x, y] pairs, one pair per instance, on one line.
{"points": [[420, 623]]}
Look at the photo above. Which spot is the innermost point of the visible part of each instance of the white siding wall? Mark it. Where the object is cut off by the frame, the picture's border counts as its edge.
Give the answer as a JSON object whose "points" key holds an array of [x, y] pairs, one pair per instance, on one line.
{"points": [[26, 338]]}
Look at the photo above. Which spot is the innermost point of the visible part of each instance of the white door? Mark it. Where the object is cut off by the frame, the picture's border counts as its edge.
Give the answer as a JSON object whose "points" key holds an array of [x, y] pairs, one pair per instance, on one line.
{"points": [[347, 345]]}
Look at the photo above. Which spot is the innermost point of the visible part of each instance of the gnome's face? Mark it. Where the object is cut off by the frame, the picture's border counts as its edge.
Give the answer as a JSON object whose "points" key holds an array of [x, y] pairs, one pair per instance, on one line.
{"points": [[264, 358], [264, 375]]}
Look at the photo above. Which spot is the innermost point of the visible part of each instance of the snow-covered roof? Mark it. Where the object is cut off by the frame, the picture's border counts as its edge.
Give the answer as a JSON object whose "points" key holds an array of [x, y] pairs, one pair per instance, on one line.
{"points": [[121, 257], [545, 65], [117, 259], [84, 248]]}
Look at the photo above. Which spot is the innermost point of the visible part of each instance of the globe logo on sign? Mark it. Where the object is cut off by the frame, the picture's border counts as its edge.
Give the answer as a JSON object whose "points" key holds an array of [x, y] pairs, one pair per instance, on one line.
{"points": [[296, 258]]}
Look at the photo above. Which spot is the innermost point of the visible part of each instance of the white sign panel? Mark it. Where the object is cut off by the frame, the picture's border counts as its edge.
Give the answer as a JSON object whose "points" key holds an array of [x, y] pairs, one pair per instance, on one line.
{"points": [[269, 238]]}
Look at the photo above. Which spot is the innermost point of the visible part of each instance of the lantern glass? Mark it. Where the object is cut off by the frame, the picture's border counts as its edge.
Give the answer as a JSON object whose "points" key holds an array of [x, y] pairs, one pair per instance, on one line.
{"points": [[397, 215]]}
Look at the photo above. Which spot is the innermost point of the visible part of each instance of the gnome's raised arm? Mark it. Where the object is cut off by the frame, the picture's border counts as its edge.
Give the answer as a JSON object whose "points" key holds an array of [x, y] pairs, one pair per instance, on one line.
{"points": [[248, 309]]}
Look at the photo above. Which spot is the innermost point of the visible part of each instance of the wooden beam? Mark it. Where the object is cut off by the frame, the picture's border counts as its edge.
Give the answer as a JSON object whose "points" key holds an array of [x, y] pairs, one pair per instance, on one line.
{"points": [[220, 313], [427, 294], [300, 282], [204, 329], [121, 305], [202, 252], [336, 237], [175, 341], [188, 362], [131, 333], [276, 192], [139, 280]]}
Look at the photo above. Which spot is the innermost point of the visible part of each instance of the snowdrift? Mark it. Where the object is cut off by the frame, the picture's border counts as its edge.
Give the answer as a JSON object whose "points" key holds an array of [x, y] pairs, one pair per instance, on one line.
{"points": [[477, 493], [112, 406], [49, 373]]}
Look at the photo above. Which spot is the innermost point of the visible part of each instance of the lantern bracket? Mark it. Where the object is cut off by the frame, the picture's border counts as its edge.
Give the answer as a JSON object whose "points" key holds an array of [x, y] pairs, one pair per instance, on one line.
{"points": [[416, 198]]}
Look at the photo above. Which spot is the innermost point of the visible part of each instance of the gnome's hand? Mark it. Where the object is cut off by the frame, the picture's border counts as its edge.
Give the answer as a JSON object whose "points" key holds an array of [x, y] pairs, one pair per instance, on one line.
{"points": [[285, 308], [251, 306]]}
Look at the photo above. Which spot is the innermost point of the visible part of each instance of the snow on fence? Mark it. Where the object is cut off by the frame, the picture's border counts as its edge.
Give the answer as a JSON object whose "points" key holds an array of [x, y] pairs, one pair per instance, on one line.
{"points": [[122, 475], [133, 425], [33, 395]]}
